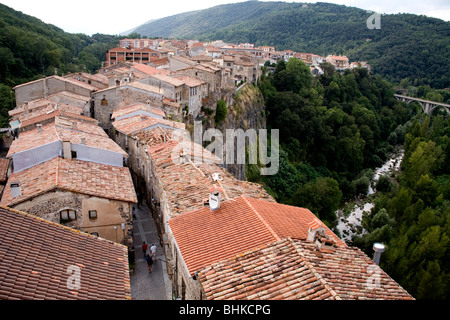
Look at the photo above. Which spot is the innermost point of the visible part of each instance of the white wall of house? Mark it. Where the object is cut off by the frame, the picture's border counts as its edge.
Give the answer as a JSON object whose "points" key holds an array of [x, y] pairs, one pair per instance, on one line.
{"points": [[29, 158]]}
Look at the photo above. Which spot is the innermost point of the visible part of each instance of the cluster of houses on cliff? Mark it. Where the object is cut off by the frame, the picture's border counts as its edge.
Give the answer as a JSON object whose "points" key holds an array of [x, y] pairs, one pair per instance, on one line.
{"points": [[241, 61], [86, 147]]}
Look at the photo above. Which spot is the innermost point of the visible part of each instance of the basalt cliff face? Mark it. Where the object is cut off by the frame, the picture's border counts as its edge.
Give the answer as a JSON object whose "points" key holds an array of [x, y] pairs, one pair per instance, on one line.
{"points": [[246, 112]]}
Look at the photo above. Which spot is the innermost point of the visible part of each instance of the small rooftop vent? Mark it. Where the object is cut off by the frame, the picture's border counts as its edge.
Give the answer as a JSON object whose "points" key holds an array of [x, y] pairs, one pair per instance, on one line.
{"points": [[379, 249]]}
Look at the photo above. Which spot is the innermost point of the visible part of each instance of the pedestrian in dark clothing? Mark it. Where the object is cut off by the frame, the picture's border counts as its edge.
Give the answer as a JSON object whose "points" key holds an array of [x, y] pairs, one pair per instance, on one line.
{"points": [[149, 263]]}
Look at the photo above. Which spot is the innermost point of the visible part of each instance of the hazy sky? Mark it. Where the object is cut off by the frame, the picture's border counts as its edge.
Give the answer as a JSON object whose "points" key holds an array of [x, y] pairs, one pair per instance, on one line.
{"points": [[115, 16]]}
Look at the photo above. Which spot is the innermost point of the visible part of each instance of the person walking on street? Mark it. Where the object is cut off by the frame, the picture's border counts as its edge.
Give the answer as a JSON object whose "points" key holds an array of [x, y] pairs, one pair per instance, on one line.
{"points": [[153, 252], [144, 248], [149, 263]]}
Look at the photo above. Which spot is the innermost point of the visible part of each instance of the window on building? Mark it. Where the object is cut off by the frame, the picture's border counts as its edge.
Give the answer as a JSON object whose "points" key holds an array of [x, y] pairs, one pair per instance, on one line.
{"points": [[67, 215], [93, 214], [74, 154], [95, 234], [104, 101]]}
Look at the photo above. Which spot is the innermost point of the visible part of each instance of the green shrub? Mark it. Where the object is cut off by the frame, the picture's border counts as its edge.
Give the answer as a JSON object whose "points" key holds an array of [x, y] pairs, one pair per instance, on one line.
{"points": [[221, 111]]}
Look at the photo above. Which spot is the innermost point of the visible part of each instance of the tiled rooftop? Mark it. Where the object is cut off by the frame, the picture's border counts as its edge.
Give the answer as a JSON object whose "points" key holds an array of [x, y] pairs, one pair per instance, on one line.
{"points": [[189, 81], [78, 176], [35, 255], [52, 111], [149, 70], [66, 94], [19, 111], [171, 80], [241, 224], [187, 183], [63, 129], [142, 86], [136, 107], [141, 122], [171, 103], [154, 136], [295, 270]]}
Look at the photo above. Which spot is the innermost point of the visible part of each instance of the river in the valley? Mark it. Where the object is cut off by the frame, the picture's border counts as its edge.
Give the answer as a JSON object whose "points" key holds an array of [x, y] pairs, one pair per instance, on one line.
{"points": [[350, 225]]}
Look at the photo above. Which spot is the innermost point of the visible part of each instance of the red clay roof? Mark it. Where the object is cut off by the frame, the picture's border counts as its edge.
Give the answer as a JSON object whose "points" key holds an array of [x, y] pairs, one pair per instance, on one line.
{"points": [[78, 176], [142, 122], [149, 70], [294, 269], [186, 184], [241, 224], [135, 107], [35, 255], [93, 134]]}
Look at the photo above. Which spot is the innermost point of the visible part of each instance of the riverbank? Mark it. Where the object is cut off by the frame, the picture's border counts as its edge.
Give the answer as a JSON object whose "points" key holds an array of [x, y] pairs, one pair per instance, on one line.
{"points": [[351, 215]]}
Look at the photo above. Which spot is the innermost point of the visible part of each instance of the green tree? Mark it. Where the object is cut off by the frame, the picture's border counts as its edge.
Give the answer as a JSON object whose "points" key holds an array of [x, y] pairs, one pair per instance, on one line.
{"points": [[322, 196], [426, 159], [221, 111]]}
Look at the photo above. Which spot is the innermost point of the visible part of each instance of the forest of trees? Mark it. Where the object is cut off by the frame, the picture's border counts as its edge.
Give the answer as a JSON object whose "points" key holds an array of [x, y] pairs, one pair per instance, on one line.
{"points": [[336, 128], [412, 213], [407, 46], [333, 130]]}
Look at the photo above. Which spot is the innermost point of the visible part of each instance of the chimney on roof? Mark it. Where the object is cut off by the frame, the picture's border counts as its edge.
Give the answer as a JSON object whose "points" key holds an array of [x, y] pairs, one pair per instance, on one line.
{"points": [[39, 127], [67, 149], [214, 198], [317, 234], [25, 105], [379, 249], [83, 141], [15, 190]]}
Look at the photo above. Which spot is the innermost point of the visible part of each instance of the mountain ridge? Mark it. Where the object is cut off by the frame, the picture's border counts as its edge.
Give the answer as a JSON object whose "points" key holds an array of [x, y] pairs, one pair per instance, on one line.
{"points": [[324, 28]]}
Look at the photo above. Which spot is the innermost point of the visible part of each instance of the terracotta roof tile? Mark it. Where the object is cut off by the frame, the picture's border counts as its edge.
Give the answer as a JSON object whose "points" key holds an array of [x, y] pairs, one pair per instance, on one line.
{"points": [[239, 225], [35, 255], [51, 111], [189, 81], [187, 183], [84, 177], [142, 122], [171, 80], [72, 130], [149, 70], [295, 269], [135, 107]]}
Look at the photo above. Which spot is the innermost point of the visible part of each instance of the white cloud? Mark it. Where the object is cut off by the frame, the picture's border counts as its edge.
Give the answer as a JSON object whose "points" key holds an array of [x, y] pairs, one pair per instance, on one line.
{"points": [[114, 17]]}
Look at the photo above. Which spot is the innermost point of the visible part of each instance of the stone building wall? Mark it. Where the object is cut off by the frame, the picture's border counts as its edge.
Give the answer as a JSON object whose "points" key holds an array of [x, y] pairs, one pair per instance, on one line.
{"points": [[47, 86], [110, 213], [107, 101]]}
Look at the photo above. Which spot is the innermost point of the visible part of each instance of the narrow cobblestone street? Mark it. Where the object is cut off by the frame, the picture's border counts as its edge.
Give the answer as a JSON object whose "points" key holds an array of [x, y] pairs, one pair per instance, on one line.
{"points": [[144, 285]]}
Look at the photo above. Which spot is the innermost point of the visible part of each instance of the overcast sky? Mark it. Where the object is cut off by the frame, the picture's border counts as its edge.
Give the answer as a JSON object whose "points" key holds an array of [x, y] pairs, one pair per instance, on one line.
{"points": [[114, 17]]}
